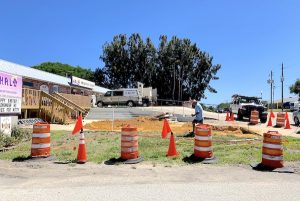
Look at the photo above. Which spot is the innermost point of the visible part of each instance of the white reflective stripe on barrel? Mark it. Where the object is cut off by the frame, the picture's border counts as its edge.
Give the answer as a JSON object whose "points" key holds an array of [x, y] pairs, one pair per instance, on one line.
{"points": [[128, 138], [277, 137], [272, 146], [38, 126], [81, 135], [81, 141], [129, 149], [203, 148], [41, 135], [40, 146], [203, 138], [129, 132], [202, 129], [272, 158]]}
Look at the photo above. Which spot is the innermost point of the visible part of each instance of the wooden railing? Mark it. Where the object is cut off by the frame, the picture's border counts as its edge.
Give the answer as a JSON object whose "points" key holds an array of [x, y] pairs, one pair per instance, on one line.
{"points": [[82, 101], [30, 98], [50, 108], [69, 103], [55, 111]]}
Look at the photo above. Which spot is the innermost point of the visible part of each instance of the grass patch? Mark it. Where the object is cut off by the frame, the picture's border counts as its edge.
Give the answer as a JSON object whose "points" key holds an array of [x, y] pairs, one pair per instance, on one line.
{"points": [[102, 146]]}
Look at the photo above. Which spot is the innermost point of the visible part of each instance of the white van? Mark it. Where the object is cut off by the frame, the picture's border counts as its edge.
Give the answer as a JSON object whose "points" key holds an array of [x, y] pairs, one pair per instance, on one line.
{"points": [[129, 97]]}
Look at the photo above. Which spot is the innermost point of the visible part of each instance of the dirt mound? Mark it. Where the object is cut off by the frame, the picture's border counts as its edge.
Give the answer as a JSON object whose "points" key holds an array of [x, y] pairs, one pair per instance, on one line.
{"points": [[142, 123], [149, 124]]}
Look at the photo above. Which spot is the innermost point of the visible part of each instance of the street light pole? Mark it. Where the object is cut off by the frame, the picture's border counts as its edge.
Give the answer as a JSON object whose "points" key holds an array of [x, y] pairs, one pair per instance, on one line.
{"points": [[271, 81]]}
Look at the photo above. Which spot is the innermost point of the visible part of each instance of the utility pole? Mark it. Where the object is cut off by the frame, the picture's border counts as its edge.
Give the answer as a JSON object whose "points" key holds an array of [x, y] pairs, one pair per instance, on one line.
{"points": [[282, 79], [271, 81], [274, 95]]}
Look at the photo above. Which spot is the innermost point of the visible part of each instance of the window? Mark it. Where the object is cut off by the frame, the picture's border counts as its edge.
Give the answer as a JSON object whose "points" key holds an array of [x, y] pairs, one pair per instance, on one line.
{"points": [[28, 84], [107, 93], [55, 88], [118, 93]]}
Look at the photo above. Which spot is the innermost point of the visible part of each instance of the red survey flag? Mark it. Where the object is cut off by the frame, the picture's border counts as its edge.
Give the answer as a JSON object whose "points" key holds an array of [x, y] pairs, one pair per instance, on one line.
{"points": [[78, 125], [166, 129]]}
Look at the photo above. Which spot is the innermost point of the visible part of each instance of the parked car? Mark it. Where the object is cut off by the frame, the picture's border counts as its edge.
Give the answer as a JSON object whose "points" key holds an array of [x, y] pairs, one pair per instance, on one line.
{"points": [[296, 117], [129, 97], [226, 110], [286, 105], [220, 110]]}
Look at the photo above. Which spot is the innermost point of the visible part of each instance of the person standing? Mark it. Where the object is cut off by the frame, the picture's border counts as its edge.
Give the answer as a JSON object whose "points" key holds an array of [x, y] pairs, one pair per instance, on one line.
{"points": [[198, 114]]}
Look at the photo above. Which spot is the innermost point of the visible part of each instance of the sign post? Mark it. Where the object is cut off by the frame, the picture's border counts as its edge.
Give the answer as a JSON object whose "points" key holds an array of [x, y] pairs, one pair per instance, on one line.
{"points": [[10, 101]]}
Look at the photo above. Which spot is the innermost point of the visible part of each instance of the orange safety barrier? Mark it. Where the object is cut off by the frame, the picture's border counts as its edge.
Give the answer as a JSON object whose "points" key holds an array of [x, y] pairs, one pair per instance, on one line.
{"points": [[129, 143], [203, 141], [280, 121], [272, 150], [254, 117], [40, 146]]}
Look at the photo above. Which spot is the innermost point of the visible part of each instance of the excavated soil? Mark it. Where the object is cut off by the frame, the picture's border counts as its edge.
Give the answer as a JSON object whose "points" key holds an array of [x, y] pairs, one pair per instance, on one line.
{"points": [[148, 124]]}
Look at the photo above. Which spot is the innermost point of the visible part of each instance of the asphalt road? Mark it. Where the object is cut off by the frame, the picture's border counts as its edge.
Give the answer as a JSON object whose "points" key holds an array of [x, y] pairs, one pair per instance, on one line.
{"points": [[145, 181]]}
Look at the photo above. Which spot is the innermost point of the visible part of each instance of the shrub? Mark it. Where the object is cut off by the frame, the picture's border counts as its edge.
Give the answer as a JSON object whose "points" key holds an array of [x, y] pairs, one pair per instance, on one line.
{"points": [[17, 135], [21, 135]]}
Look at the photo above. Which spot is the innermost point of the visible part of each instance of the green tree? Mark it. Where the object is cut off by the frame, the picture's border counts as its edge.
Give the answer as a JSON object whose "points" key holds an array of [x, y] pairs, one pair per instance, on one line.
{"points": [[117, 62], [177, 68], [223, 105], [295, 88], [66, 70]]}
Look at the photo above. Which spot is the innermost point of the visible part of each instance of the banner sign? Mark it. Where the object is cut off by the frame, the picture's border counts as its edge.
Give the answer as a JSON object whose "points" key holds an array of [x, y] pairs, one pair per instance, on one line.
{"points": [[81, 82], [10, 93]]}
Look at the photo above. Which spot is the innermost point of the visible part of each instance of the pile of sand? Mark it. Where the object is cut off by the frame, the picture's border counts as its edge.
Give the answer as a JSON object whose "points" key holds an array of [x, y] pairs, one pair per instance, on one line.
{"points": [[149, 124], [142, 123]]}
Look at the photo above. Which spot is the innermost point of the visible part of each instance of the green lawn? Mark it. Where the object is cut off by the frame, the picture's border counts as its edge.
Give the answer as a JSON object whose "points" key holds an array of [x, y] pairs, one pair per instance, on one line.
{"points": [[102, 146]]}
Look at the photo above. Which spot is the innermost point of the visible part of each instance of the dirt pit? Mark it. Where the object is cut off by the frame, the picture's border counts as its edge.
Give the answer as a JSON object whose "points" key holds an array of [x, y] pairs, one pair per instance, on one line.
{"points": [[148, 124]]}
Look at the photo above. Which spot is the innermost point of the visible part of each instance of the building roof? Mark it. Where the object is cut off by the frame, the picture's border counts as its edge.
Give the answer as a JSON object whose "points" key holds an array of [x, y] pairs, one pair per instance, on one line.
{"points": [[32, 73], [289, 99]]}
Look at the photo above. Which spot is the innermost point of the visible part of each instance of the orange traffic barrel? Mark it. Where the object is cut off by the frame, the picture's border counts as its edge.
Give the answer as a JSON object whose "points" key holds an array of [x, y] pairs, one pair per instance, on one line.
{"points": [[280, 120], [40, 146], [203, 141], [272, 150], [129, 143], [254, 117]]}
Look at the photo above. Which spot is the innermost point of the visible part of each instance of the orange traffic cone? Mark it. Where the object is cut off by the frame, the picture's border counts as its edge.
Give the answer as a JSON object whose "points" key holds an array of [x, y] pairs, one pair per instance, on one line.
{"points": [[231, 116], [270, 121], [166, 129], [81, 156], [227, 116], [272, 114], [172, 147], [287, 125]]}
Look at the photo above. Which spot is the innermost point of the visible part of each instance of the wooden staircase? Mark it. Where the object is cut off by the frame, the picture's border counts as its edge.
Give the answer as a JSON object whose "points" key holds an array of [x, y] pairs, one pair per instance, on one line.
{"points": [[77, 109], [53, 108]]}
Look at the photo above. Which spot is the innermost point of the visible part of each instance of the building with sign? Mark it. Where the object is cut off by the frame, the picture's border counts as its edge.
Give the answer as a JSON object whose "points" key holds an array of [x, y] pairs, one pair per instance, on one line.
{"points": [[37, 86], [49, 82], [10, 101]]}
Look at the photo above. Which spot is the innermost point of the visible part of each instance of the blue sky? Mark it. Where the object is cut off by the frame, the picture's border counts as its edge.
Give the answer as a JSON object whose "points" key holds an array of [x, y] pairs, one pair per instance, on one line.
{"points": [[248, 38]]}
